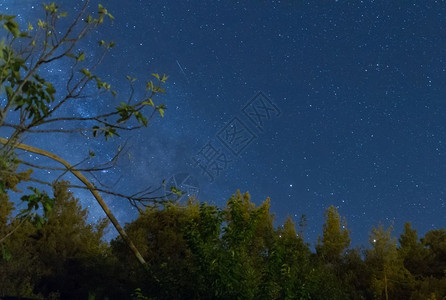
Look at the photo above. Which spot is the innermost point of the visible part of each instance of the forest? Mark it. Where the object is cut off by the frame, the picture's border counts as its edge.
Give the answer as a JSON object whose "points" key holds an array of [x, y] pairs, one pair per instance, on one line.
{"points": [[200, 251], [49, 249]]}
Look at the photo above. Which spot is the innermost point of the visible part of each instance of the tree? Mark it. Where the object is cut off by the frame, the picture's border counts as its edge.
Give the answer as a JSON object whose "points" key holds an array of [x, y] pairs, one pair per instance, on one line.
{"points": [[247, 242], [390, 280], [412, 252], [31, 105], [289, 263], [435, 241], [65, 257], [71, 251], [335, 238], [355, 275], [181, 244]]}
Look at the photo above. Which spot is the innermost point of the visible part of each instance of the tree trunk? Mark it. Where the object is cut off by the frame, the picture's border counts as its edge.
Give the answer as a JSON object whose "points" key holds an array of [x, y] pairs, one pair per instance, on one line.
{"points": [[90, 186]]}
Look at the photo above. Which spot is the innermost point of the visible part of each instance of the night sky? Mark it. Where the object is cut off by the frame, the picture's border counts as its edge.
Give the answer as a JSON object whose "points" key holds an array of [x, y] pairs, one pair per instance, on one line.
{"points": [[335, 103]]}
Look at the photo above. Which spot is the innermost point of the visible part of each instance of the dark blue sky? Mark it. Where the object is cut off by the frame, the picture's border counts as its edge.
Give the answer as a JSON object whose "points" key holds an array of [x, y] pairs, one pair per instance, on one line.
{"points": [[360, 86]]}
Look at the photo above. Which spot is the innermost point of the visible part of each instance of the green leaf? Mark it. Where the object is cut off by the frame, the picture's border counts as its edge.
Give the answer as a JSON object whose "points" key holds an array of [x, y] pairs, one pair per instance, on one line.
{"points": [[86, 73], [9, 92], [52, 7], [141, 119], [130, 79], [12, 27], [176, 191], [6, 253], [81, 56], [156, 76], [24, 34], [149, 86], [41, 23], [164, 78], [89, 19], [109, 132], [158, 89], [149, 102], [161, 111], [38, 222], [50, 89]]}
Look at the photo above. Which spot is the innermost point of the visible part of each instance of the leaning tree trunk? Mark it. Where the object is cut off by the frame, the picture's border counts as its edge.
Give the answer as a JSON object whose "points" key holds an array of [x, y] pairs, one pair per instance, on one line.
{"points": [[90, 186]]}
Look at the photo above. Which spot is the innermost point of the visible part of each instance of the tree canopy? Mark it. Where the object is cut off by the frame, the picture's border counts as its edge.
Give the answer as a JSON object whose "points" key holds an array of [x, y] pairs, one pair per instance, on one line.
{"points": [[200, 251]]}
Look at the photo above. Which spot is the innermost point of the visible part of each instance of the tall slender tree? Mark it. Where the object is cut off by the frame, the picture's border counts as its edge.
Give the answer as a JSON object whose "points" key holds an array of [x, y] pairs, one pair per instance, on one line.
{"points": [[390, 279], [335, 238]]}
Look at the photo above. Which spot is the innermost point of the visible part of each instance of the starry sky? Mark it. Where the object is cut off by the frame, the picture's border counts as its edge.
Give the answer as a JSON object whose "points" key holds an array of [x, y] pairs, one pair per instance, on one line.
{"points": [[309, 103]]}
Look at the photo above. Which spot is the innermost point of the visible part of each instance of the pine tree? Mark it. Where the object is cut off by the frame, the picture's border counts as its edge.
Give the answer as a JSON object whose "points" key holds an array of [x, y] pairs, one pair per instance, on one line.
{"points": [[335, 238], [412, 252]]}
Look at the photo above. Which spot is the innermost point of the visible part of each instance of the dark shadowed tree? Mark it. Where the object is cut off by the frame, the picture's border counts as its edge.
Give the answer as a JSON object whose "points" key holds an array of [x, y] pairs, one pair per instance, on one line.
{"points": [[65, 257], [435, 242], [412, 252]]}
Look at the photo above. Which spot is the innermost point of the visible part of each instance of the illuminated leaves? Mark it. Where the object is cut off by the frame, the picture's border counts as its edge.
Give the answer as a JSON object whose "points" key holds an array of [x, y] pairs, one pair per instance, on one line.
{"points": [[51, 8], [36, 201], [12, 27], [107, 46], [41, 24], [126, 111], [81, 56], [108, 131], [102, 12]]}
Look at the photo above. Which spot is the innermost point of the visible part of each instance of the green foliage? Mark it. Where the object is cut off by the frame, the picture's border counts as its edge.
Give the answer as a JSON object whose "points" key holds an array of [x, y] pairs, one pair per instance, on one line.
{"points": [[31, 101], [35, 201], [11, 25], [126, 111], [412, 252], [199, 251], [435, 242], [9, 177], [65, 255], [6, 253], [26, 91], [335, 237], [389, 276], [138, 295]]}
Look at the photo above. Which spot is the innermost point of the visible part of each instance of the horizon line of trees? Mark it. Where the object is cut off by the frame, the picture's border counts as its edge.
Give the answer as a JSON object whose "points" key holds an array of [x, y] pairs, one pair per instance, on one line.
{"points": [[200, 251]]}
